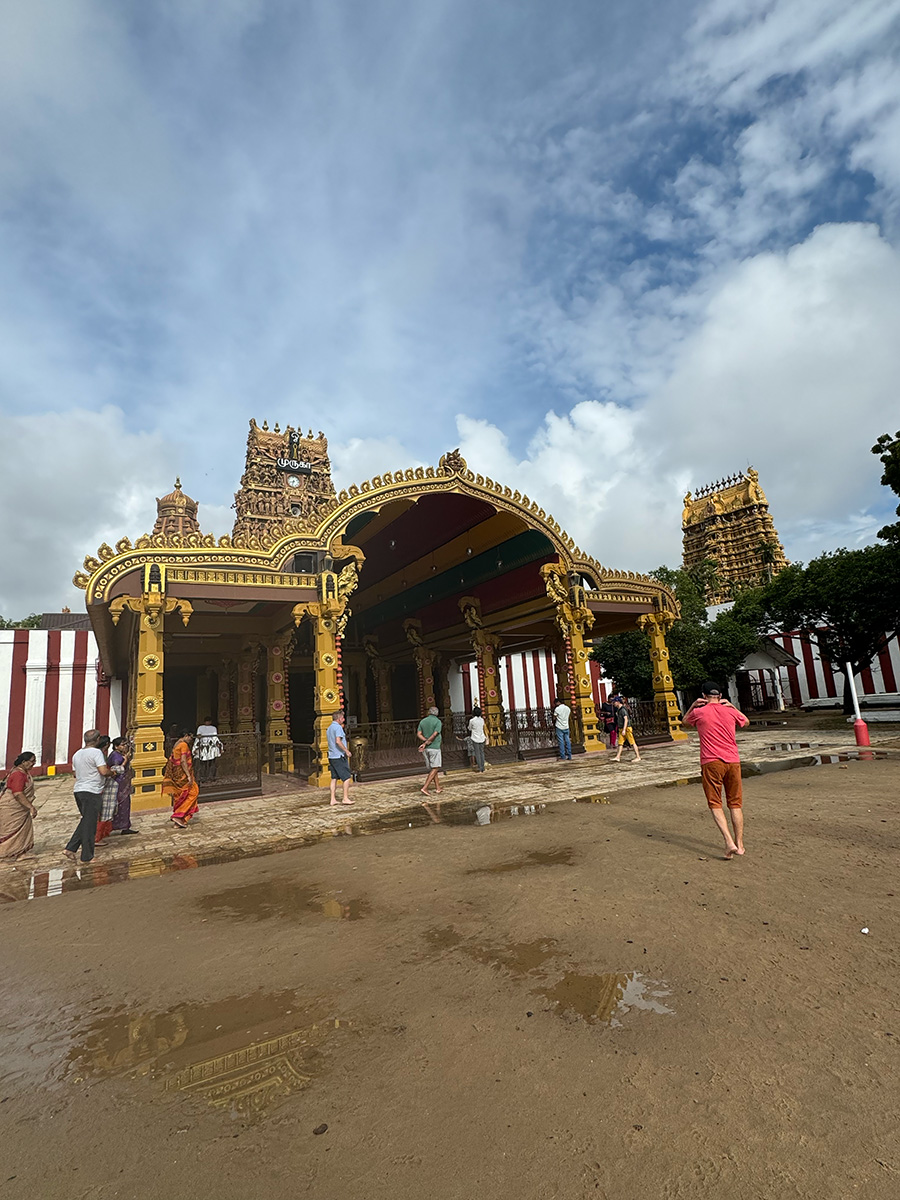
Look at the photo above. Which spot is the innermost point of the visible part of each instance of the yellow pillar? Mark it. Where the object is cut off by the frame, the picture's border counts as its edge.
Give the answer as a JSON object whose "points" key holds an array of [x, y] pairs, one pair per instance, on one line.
{"points": [[146, 727], [574, 619], [278, 741], [381, 670], [657, 625], [328, 616], [487, 661]]}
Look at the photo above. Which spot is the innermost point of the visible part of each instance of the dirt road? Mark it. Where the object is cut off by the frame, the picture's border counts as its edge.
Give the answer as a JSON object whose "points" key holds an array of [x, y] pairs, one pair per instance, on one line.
{"points": [[584, 1001]]}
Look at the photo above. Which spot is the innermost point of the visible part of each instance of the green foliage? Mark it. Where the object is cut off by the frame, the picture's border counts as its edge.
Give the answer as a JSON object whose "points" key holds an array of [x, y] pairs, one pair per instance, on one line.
{"points": [[846, 603], [699, 649], [888, 450], [31, 622]]}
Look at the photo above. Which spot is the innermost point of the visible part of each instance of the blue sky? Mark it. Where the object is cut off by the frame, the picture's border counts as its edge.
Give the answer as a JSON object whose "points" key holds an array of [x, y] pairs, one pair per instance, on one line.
{"points": [[613, 251]]}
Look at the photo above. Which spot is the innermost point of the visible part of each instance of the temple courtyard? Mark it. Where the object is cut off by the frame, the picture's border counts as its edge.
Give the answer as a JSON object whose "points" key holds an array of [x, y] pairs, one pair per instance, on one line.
{"points": [[569, 1000]]}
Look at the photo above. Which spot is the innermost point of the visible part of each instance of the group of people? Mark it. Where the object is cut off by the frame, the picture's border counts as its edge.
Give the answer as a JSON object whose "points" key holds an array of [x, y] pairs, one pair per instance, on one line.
{"points": [[103, 778], [616, 725]]}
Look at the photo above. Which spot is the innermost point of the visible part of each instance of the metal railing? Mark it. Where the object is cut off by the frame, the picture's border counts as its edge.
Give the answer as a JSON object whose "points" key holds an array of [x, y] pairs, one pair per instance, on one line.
{"points": [[237, 771]]}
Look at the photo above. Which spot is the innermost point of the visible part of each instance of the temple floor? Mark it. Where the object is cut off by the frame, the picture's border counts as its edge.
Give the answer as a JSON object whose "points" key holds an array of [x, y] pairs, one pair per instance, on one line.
{"points": [[292, 815], [585, 1001]]}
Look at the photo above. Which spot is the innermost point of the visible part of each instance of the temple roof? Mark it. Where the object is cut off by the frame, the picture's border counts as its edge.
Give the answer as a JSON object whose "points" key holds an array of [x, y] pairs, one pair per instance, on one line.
{"points": [[176, 513]]}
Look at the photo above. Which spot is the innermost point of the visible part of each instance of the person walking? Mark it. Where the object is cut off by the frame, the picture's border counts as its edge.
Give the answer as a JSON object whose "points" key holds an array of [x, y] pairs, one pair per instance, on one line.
{"points": [[89, 765], [478, 737], [179, 781], [624, 732], [338, 757], [561, 714], [429, 733], [120, 761], [17, 811], [108, 795], [716, 720]]}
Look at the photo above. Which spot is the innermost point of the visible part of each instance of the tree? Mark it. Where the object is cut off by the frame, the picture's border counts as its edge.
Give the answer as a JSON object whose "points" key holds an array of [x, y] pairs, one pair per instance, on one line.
{"points": [[888, 450], [699, 649], [31, 622], [845, 603]]}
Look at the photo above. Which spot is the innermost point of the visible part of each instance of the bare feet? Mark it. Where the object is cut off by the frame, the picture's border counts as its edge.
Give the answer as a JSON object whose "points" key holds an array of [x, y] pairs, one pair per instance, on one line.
{"points": [[424, 792], [347, 802], [740, 850], [70, 855], [335, 801], [731, 851], [437, 791], [180, 824]]}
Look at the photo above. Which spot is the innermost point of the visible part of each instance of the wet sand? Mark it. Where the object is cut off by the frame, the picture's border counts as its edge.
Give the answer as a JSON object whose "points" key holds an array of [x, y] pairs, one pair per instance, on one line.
{"points": [[582, 1001]]}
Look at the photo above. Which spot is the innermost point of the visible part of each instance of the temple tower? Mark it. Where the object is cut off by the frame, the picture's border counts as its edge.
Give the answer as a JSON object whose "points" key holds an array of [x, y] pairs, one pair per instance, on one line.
{"points": [[729, 522], [176, 514], [286, 481]]}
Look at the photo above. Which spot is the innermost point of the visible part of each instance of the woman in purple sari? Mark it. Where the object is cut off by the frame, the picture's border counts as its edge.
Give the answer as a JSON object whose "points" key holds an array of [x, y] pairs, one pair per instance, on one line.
{"points": [[120, 756]]}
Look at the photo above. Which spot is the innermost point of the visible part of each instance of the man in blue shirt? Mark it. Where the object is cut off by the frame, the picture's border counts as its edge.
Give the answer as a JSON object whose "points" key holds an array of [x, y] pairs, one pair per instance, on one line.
{"points": [[338, 757]]}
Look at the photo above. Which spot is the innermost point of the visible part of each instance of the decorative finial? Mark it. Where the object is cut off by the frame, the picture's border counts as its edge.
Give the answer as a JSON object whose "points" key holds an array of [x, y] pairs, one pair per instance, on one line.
{"points": [[277, 429], [265, 425], [177, 483]]}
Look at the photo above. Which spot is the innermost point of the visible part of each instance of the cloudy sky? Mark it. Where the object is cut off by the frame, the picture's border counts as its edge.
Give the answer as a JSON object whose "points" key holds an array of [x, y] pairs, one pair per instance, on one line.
{"points": [[612, 250]]}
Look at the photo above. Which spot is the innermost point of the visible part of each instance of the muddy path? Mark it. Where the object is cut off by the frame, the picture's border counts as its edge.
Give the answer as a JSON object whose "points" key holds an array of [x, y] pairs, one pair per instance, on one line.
{"points": [[580, 1001]]}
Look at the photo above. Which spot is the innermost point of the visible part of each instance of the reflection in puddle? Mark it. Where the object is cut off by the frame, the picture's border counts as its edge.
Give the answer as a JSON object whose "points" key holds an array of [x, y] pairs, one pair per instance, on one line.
{"points": [[518, 958], [243, 1055], [281, 898], [605, 999], [595, 799], [564, 857]]}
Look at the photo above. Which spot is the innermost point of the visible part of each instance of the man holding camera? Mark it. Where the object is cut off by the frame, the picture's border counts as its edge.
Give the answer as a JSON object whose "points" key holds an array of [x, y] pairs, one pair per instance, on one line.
{"points": [[720, 764]]}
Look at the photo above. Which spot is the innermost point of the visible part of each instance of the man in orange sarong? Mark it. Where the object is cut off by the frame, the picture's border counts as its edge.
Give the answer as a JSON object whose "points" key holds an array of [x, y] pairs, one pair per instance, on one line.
{"points": [[179, 781]]}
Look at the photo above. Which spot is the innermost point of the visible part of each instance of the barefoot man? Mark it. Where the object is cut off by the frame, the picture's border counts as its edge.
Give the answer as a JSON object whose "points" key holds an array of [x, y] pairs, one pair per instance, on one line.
{"points": [[338, 758], [429, 735], [720, 763]]}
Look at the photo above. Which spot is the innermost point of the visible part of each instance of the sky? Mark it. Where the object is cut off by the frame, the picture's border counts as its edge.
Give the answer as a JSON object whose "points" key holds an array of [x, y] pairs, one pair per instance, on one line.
{"points": [[611, 251]]}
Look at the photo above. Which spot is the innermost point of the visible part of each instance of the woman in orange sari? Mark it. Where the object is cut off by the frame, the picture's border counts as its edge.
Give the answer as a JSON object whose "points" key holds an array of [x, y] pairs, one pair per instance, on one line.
{"points": [[179, 782]]}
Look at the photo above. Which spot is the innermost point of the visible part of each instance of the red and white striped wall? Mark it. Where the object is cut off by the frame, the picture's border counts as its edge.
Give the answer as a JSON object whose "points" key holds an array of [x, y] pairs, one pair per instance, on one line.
{"points": [[527, 681], [813, 683], [51, 691]]}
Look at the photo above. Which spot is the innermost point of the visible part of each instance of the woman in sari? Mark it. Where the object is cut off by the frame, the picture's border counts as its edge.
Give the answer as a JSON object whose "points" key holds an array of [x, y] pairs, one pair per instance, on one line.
{"points": [[108, 802], [17, 810], [120, 757], [179, 781]]}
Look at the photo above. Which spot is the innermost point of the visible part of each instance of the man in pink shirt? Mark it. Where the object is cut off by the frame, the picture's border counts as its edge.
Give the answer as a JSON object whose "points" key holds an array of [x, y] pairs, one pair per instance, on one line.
{"points": [[720, 763]]}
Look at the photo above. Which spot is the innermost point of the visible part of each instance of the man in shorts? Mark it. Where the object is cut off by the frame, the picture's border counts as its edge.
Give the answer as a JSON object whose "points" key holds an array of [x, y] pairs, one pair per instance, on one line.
{"points": [[624, 732], [429, 735], [715, 720], [338, 757]]}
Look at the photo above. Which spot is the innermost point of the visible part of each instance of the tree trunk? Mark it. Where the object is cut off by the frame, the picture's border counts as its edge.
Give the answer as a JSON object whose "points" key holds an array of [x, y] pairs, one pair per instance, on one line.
{"points": [[848, 694]]}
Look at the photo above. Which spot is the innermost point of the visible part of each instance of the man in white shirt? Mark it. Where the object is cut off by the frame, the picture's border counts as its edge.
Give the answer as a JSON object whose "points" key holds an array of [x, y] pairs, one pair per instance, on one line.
{"points": [[561, 714], [477, 737], [90, 767]]}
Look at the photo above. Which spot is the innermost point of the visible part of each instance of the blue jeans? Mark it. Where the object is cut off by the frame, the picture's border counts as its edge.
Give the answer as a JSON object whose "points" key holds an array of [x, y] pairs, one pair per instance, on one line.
{"points": [[564, 742]]}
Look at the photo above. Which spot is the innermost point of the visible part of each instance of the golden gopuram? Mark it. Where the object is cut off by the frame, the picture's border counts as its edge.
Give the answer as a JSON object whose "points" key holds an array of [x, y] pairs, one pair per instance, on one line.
{"points": [[728, 523], [373, 600]]}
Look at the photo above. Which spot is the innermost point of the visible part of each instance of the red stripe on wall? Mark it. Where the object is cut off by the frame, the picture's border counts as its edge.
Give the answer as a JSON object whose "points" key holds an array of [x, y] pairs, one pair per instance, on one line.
{"points": [[809, 668], [102, 719], [538, 687], [551, 679], [467, 688], [796, 697], [16, 726], [868, 683], [510, 690], [887, 669], [523, 659], [51, 701], [76, 717], [595, 680], [830, 688]]}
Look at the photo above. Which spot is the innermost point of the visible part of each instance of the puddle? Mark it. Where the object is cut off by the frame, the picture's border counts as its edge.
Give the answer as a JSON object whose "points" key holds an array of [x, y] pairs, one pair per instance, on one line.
{"points": [[564, 857], [605, 999], [591, 800], [518, 958], [282, 898], [750, 769], [243, 1055]]}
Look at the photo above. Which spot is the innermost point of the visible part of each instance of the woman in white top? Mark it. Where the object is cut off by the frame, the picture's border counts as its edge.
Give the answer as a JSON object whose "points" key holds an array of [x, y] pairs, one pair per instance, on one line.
{"points": [[477, 737]]}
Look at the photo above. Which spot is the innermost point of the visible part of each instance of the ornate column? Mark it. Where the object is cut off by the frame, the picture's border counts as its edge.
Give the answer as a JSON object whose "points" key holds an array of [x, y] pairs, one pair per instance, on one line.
{"points": [[424, 659], [146, 725], [487, 659], [247, 666], [328, 616], [574, 619], [225, 715], [657, 626], [381, 670], [280, 757]]}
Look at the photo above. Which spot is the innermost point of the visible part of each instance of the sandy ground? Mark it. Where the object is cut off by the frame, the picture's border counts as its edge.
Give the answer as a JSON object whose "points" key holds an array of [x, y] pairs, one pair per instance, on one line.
{"points": [[586, 1001]]}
